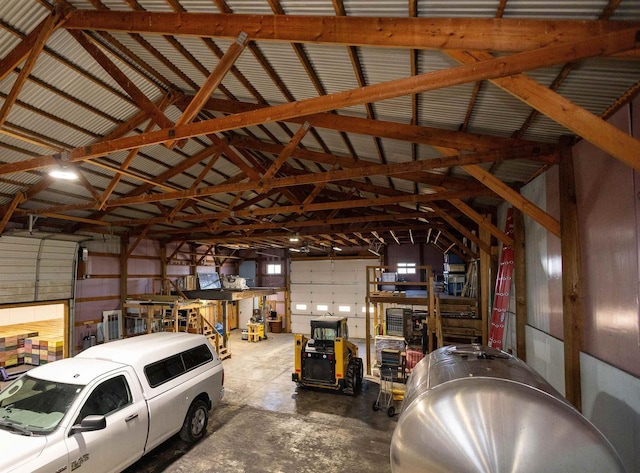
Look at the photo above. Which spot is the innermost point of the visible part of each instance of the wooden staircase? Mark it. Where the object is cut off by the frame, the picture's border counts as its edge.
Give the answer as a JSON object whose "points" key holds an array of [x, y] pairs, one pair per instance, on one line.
{"points": [[215, 339]]}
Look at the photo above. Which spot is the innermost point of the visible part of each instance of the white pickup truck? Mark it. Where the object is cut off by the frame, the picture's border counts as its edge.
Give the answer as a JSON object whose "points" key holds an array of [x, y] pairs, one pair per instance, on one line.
{"points": [[101, 410]]}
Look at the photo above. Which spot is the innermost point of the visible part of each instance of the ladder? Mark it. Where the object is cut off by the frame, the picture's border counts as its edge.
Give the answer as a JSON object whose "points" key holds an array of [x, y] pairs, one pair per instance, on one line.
{"points": [[503, 288]]}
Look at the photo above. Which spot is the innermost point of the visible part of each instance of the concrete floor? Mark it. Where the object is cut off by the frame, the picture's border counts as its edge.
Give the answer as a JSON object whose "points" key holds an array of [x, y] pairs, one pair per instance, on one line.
{"points": [[266, 424]]}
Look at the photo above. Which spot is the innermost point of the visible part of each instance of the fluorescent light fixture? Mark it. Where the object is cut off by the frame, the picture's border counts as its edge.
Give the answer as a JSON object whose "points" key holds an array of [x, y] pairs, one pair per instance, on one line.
{"points": [[295, 249], [337, 248], [294, 239], [63, 172]]}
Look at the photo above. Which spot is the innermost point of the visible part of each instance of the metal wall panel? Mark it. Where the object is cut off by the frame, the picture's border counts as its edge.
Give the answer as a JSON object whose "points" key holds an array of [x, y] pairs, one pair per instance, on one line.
{"points": [[610, 401], [608, 208]]}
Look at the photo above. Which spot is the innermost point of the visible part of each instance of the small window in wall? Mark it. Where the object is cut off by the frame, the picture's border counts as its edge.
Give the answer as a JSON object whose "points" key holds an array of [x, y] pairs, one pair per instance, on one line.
{"points": [[344, 308], [406, 268], [364, 309], [322, 307], [274, 268], [301, 306]]}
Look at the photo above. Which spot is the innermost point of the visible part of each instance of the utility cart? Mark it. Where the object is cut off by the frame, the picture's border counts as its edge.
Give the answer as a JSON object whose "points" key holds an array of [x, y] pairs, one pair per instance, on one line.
{"points": [[392, 379]]}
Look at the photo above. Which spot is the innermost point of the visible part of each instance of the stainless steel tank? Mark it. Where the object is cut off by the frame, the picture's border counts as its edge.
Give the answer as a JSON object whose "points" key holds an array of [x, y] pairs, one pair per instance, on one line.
{"points": [[472, 409]]}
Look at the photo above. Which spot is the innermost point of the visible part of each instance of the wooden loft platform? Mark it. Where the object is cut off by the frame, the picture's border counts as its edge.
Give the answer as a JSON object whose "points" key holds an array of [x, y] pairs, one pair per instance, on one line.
{"points": [[232, 294], [175, 314]]}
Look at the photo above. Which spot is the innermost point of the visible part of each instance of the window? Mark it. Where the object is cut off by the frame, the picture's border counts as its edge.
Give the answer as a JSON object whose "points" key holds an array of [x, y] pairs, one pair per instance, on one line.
{"points": [[324, 333], [322, 307], [406, 268], [274, 268], [344, 308], [165, 370], [301, 306], [35, 404], [196, 356], [108, 397]]}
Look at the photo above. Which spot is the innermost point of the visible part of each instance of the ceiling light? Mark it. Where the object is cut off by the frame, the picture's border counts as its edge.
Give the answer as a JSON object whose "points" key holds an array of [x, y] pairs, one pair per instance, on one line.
{"points": [[294, 239], [337, 248], [63, 172]]}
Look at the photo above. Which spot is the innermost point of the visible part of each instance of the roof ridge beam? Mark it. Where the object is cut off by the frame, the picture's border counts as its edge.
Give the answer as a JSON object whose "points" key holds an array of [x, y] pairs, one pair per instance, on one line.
{"points": [[493, 34]]}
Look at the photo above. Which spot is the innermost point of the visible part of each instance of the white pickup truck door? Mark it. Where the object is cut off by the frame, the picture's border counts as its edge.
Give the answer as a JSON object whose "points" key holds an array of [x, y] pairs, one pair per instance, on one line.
{"points": [[123, 440]]}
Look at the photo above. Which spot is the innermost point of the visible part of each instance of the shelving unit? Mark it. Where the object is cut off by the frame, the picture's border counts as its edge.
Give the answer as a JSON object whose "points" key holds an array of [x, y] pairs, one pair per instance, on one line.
{"points": [[455, 317], [454, 274]]}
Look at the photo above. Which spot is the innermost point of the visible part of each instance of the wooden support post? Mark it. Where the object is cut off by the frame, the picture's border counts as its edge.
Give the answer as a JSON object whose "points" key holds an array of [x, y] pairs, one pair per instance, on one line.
{"points": [[287, 304], [520, 281], [124, 274], [163, 268], [484, 279], [367, 319], [571, 278], [264, 315], [69, 326], [431, 324], [225, 324]]}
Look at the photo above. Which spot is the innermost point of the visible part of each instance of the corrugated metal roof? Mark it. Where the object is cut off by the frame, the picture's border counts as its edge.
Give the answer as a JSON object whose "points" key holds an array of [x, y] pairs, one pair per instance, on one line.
{"points": [[71, 101], [22, 15], [457, 8], [565, 9]]}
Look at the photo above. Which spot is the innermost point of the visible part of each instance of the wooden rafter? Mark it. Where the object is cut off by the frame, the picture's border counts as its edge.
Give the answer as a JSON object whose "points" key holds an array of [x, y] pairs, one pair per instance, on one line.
{"points": [[590, 127], [142, 101], [458, 226], [164, 103], [48, 27], [483, 222], [286, 151], [338, 175], [514, 198], [17, 200], [212, 82], [489, 69], [381, 128], [18, 54], [418, 33]]}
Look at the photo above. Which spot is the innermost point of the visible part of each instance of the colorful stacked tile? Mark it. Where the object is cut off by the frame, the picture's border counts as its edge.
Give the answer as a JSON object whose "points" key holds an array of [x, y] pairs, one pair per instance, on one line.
{"points": [[55, 350], [32, 351]]}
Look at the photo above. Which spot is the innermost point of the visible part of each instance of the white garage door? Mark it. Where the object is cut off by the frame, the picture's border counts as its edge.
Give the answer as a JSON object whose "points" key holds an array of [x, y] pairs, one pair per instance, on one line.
{"points": [[36, 269], [337, 287]]}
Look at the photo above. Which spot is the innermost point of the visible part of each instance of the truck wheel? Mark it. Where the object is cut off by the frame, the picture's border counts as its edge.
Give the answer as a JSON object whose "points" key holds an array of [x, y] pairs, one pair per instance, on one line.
{"points": [[195, 424]]}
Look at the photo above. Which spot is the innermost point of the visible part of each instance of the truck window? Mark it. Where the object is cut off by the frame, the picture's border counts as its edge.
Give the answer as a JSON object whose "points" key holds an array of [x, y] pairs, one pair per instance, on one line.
{"points": [[196, 356], [35, 405], [106, 398], [165, 370]]}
